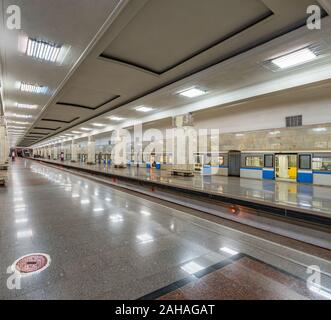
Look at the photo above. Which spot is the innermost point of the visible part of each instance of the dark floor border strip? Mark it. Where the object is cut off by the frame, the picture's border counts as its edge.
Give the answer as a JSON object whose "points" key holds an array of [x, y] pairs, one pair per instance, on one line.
{"points": [[198, 275]]}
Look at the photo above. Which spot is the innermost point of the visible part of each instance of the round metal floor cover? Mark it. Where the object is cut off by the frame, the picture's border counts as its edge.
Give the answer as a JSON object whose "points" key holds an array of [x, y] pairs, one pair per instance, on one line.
{"points": [[32, 263]]}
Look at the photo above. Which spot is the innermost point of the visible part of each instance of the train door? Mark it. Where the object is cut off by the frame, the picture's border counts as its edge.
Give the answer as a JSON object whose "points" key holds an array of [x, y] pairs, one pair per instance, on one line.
{"points": [[286, 167], [234, 163]]}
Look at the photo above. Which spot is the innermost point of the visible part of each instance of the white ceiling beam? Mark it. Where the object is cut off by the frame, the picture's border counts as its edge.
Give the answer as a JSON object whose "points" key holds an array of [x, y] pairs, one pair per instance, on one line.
{"points": [[326, 5]]}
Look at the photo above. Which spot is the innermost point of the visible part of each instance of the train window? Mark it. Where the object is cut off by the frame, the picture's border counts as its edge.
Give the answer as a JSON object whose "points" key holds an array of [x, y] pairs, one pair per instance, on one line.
{"points": [[322, 164], [269, 161], [305, 162], [256, 162], [217, 161]]}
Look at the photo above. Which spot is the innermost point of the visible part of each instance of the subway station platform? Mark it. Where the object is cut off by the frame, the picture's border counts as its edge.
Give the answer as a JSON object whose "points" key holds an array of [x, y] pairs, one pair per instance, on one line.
{"points": [[104, 243], [313, 202]]}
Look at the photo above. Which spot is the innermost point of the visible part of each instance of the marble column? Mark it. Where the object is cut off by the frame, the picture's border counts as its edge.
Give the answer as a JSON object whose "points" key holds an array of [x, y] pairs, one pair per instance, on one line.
{"points": [[3, 153], [55, 156], [73, 151], [91, 151]]}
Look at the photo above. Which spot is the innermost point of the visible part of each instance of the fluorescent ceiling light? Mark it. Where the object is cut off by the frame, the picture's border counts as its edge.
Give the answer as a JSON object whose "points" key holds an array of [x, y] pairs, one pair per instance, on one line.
{"points": [[19, 122], [192, 267], [16, 127], [229, 251], [98, 209], [68, 134], [86, 129], [192, 93], [33, 88], [98, 124], [294, 58], [76, 132], [26, 106], [116, 118], [16, 115], [42, 50], [144, 109], [85, 202]]}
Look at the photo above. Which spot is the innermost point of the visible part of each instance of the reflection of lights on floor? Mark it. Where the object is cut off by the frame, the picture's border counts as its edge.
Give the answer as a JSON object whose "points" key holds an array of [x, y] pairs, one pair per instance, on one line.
{"points": [[145, 238], [75, 196], [98, 209], [85, 202], [192, 267], [19, 207], [24, 234], [145, 213], [116, 218], [229, 251], [18, 199], [304, 204], [108, 199], [22, 220]]}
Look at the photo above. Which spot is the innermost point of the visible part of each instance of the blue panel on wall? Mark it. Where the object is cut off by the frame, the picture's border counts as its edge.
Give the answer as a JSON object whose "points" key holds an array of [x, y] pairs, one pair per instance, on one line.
{"points": [[158, 165], [268, 174], [305, 177]]}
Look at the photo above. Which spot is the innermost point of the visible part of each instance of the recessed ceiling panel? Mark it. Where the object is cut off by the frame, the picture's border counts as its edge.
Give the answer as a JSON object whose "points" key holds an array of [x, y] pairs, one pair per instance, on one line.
{"points": [[166, 33], [85, 98]]}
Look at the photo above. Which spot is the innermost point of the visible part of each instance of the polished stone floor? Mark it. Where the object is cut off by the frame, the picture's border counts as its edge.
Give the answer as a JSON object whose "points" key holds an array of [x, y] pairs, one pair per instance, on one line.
{"points": [[108, 244], [309, 198]]}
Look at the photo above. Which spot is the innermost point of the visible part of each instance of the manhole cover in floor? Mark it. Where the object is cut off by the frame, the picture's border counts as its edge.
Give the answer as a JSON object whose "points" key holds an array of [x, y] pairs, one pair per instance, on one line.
{"points": [[32, 263]]}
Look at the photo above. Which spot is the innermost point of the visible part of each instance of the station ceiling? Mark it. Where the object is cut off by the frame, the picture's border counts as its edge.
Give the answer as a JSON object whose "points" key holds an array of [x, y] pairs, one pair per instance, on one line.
{"points": [[118, 55]]}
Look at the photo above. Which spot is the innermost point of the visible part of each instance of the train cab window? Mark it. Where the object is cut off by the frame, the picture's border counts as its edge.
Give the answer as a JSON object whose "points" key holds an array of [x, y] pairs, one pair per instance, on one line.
{"points": [[269, 161], [255, 162], [322, 164], [305, 162]]}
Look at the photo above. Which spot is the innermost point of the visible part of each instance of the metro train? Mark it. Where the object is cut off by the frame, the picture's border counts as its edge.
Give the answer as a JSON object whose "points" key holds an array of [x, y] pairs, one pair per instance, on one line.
{"points": [[309, 167]]}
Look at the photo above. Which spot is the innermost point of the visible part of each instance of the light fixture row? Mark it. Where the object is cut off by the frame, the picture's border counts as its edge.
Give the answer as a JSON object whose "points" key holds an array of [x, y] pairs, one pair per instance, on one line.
{"points": [[33, 88], [295, 58], [42, 50]]}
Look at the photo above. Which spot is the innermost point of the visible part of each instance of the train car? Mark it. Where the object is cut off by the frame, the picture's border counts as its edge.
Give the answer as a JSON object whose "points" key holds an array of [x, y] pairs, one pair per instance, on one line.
{"points": [[303, 167], [308, 167]]}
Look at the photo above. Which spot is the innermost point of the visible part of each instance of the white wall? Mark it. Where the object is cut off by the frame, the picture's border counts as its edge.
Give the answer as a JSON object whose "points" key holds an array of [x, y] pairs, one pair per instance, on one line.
{"points": [[270, 112]]}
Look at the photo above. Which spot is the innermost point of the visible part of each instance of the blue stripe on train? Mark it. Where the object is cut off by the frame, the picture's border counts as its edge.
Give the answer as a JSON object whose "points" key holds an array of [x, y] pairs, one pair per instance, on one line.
{"points": [[305, 177], [268, 174]]}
